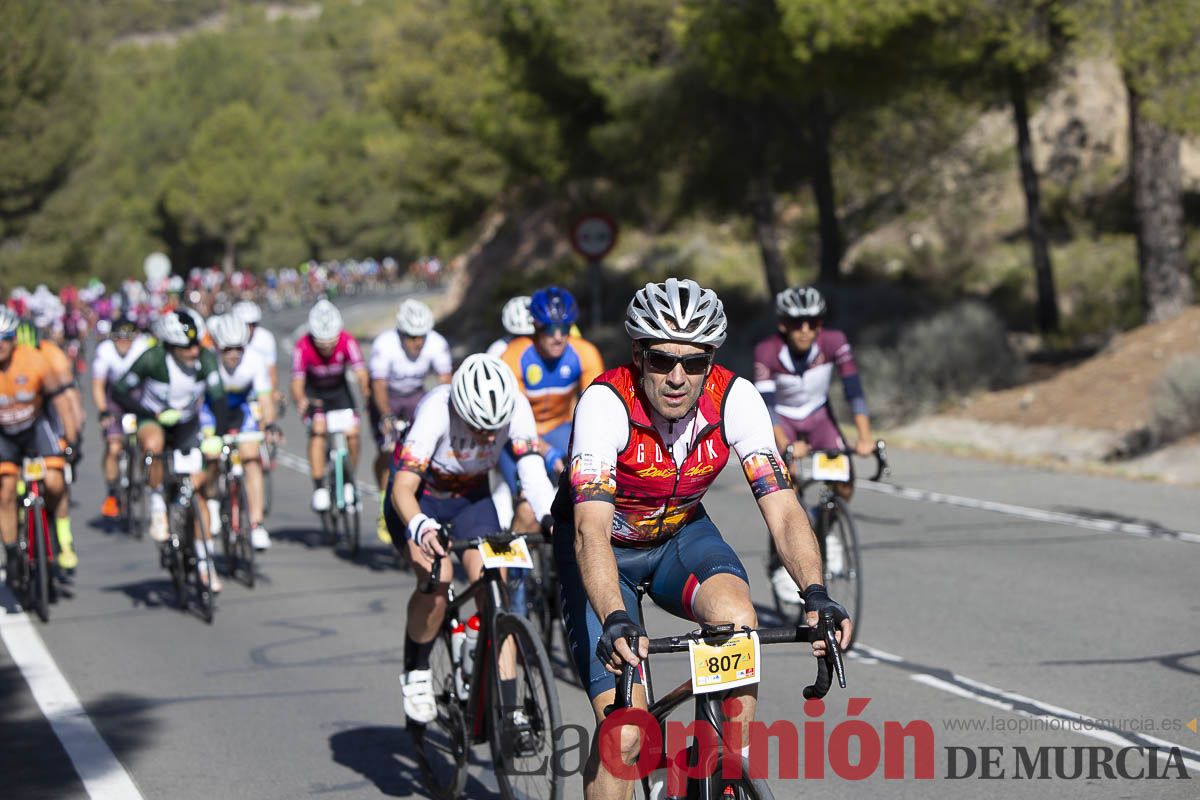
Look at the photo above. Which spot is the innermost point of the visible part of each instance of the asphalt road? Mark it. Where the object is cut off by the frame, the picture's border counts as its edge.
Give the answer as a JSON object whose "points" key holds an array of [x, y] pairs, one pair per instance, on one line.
{"points": [[977, 621]]}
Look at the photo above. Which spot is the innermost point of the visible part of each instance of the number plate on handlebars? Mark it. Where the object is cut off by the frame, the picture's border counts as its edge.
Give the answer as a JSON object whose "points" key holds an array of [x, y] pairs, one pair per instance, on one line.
{"points": [[717, 667], [33, 469], [187, 462], [831, 468], [339, 421], [129, 424], [513, 554]]}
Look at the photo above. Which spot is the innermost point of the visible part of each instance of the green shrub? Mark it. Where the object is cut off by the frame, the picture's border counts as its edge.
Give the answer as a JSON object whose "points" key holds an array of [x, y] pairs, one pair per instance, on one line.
{"points": [[920, 365], [1177, 400]]}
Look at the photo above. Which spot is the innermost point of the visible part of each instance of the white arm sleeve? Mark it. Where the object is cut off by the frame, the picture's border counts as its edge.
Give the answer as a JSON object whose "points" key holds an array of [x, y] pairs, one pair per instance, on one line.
{"points": [[522, 433], [380, 354], [601, 425], [747, 421], [440, 360]]}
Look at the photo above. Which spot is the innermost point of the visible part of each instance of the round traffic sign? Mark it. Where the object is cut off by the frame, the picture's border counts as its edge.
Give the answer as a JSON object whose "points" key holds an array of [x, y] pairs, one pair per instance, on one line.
{"points": [[156, 266], [594, 236]]}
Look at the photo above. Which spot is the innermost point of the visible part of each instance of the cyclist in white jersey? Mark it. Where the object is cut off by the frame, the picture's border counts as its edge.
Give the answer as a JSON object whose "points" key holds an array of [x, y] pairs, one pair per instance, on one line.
{"points": [[401, 359], [440, 476], [517, 321], [112, 360], [262, 341], [244, 374]]}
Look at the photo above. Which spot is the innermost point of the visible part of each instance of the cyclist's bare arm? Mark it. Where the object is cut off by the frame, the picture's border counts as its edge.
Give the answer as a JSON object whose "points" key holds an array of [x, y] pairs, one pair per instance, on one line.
{"points": [[298, 393], [99, 393], [865, 444], [364, 381], [598, 565], [798, 549], [379, 396]]}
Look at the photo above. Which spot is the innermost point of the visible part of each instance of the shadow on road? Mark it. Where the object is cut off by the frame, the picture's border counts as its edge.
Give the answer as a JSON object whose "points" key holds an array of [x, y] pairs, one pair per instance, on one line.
{"points": [[36, 767], [149, 593], [383, 754]]}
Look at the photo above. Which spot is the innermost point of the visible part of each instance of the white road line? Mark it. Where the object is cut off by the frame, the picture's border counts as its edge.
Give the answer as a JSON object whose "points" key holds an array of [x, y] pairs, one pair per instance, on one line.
{"points": [[102, 774], [1058, 517], [995, 697]]}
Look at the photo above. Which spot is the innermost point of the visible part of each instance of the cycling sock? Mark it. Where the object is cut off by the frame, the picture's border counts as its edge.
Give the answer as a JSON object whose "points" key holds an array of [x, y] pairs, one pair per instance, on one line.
{"points": [[112, 489], [416, 654], [318, 483], [508, 692], [63, 528]]}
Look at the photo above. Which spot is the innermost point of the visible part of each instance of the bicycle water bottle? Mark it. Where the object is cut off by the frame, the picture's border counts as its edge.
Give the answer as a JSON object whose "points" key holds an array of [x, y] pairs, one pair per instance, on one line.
{"points": [[458, 635], [470, 639]]}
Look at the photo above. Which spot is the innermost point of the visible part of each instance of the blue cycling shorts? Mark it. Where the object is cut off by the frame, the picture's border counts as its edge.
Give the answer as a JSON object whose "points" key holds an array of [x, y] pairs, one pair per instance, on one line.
{"points": [[473, 515], [240, 415], [673, 570]]}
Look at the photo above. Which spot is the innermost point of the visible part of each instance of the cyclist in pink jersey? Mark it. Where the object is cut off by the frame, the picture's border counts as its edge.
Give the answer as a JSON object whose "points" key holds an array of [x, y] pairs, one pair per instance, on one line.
{"points": [[321, 362]]}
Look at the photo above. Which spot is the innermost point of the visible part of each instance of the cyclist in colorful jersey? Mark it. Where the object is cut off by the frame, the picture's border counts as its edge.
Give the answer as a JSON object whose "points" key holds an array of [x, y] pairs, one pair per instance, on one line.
{"points": [[517, 321], [650, 438], [166, 387], [29, 335], [320, 363], [28, 387], [441, 476], [244, 376], [793, 369], [552, 368], [114, 356], [401, 359]]}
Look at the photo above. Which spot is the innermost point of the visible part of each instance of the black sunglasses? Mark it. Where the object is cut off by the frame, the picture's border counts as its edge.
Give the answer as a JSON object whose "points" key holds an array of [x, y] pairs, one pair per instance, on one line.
{"points": [[555, 329], [796, 323], [663, 363]]}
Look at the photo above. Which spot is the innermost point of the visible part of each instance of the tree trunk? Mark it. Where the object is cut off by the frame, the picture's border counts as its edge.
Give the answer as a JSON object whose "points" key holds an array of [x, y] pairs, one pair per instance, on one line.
{"points": [[762, 209], [1047, 297], [229, 261], [822, 186], [1158, 210]]}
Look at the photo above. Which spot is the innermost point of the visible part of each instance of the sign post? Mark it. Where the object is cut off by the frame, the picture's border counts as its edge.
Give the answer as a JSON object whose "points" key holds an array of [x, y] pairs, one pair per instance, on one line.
{"points": [[593, 236]]}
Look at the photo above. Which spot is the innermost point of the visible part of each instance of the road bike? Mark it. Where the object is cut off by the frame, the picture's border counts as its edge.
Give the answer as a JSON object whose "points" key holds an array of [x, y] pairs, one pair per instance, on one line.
{"points": [[506, 697], [236, 545], [342, 521], [35, 546], [185, 527], [722, 659], [545, 609], [833, 524]]}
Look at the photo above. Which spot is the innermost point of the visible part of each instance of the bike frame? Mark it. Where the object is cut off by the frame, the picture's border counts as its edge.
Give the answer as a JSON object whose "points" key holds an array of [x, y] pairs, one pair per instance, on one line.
{"points": [[492, 588]]}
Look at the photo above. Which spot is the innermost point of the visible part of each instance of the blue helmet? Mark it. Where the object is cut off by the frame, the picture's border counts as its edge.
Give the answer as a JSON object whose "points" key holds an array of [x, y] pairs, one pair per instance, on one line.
{"points": [[553, 306]]}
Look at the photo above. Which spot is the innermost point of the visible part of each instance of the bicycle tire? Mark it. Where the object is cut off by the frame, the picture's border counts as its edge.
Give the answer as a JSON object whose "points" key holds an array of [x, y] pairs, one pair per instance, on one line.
{"points": [[203, 567], [351, 522], [179, 560], [744, 788], [541, 600], [845, 585], [227, 512], [40, 586], [441, 745], [244, 547], [268, 480], [537, 696]]}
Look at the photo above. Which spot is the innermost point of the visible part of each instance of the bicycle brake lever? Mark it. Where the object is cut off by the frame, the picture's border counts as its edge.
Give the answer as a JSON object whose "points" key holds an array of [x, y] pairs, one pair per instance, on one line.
{"points": [[833, 650]]}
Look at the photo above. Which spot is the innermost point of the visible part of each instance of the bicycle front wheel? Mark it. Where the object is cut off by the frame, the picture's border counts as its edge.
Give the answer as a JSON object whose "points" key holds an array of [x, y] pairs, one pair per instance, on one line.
{"points": [[243, 548], [523, 713], [205, 569], [40, 586], [843, 562], [442, 744]]}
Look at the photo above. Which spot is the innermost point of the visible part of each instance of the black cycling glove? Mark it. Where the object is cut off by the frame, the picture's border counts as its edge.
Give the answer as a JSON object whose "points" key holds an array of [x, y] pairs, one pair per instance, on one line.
{"points": [[816, 598], [618, 625]]}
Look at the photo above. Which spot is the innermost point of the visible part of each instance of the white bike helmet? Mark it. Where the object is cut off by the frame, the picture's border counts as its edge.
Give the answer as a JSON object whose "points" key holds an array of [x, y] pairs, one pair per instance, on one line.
{"points": [[324, 321], [228, 331], [516, 318], [677, 311], [799, 301], [414, 318], [9, 321], [484, 392], [179, 328], [248, 312]]}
